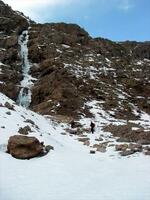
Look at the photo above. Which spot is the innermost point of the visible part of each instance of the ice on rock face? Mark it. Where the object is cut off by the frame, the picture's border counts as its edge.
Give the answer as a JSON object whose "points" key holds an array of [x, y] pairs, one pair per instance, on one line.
{"points": [[23, 40], [24, 97]]}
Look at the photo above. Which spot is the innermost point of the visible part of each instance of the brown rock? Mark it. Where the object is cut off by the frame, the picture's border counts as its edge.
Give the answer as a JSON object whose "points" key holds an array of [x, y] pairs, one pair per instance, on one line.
{"points": [[128, 149], [126, 134], [9, 106], [73, 131], [126, 152], [87, 143], [144, 141], [99, 139], [121, 147], [100, 147], [30, 121], [25, 130], [147, 150], [147, 153], [24, 147], [48, 148], [135, 147], [12, 41], [83, 139]]}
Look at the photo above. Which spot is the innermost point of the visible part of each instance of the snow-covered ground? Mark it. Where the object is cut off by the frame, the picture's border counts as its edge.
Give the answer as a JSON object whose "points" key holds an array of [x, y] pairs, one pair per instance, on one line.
{"points": [[69, 172]]}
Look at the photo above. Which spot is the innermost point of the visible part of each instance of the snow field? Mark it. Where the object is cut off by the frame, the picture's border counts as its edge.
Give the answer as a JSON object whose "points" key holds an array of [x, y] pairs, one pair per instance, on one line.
{"points": [[69, 172]]}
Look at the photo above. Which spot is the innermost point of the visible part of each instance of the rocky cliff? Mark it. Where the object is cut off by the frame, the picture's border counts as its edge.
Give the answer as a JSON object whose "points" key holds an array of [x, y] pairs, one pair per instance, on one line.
{"points": [[71, 68], [11, 25]]}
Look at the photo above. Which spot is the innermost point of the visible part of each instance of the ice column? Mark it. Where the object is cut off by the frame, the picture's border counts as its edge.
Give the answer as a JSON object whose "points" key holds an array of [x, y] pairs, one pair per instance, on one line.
{"points": [[24, 97]]}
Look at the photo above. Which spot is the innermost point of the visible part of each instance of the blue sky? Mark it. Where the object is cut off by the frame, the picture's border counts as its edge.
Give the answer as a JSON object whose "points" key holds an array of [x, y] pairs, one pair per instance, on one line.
{"points": [[117, 20]]}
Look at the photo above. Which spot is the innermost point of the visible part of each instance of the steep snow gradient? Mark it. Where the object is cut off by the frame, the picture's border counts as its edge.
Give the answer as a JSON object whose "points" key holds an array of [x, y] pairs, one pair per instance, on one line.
{"points": [[69, 172]]}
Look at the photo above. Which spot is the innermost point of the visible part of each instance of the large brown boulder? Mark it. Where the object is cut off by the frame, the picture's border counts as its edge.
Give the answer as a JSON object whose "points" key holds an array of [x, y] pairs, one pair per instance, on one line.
{"points": [[24, 147]]}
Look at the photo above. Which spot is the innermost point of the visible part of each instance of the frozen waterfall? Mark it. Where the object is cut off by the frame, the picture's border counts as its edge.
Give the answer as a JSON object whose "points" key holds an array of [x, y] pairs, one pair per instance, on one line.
{"points": [[24, 97]]}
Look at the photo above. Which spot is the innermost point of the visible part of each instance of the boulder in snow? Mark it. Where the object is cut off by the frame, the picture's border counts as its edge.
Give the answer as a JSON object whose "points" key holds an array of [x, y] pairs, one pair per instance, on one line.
{"points": [[24, 147], [9, 106], [84, 139], [48, 148], [25, 130], [121, 147], [126, 152], [100, 147], [147, 150], [135, 147]]}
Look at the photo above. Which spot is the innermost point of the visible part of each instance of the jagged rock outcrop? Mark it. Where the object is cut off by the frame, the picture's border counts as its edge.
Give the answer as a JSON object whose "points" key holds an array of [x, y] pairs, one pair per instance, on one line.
{"points": [[125, 133], [140, 50], [11, 21], [11, 25]]}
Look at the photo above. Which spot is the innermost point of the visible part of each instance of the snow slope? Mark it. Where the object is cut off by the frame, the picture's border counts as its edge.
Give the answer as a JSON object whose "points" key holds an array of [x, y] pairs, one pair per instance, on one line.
{"points": [[69, 172]]}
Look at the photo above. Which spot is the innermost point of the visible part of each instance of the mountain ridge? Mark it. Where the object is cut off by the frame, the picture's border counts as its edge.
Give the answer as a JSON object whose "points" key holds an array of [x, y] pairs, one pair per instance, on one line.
{"points": [[72, 68]]}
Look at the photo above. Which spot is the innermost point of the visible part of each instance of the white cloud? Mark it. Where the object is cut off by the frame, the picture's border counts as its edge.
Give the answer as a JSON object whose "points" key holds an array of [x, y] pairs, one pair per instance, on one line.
{"points": [[18, 4], [125, 5], [41, 10], [23, 5], [34, 8]]}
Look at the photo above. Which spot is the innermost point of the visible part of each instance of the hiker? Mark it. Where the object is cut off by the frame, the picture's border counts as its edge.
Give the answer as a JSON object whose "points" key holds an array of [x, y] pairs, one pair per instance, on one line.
{"points": [[92, 125], [72, 123]]}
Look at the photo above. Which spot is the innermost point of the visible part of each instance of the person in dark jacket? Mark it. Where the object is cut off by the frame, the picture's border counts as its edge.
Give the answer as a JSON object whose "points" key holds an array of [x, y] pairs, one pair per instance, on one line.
{"points": [[92, 125], [72, 123]]}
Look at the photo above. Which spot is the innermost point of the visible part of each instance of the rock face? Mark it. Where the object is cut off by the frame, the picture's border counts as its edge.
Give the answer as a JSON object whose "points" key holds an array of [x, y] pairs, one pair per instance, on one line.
{"points": [[24, 147], [126, 134], [128, 149], [11, 25], [72, 68]]}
